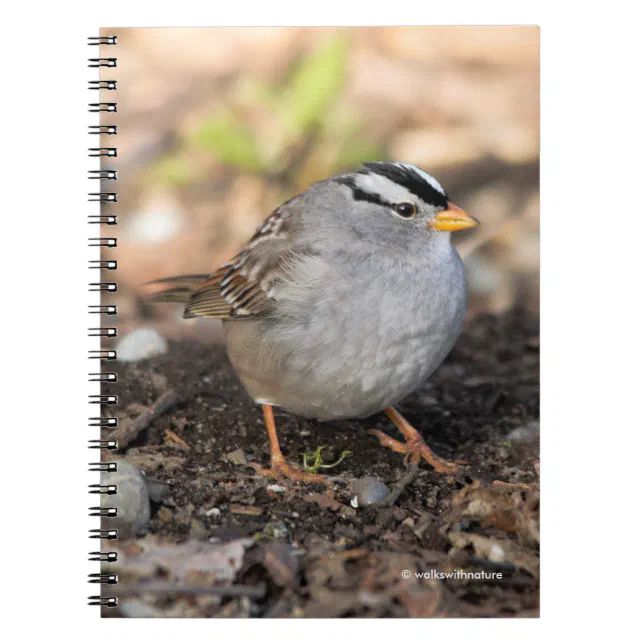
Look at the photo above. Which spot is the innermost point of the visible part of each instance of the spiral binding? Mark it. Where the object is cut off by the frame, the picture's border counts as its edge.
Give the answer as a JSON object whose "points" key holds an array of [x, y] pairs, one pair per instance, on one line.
{"points": [[106, 333]]}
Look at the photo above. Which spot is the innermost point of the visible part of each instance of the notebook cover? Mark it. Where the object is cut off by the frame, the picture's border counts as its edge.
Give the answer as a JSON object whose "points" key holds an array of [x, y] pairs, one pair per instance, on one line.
{"points": [[201, 133]]}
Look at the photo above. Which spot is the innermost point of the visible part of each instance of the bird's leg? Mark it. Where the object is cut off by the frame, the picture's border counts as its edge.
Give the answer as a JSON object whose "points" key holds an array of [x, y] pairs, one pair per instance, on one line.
{"points": [[279, 467], [415, 448]]}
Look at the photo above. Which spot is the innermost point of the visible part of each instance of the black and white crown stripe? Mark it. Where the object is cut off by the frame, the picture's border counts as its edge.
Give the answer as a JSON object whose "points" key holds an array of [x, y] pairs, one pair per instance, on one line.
{"points": [[388, 183], [104, 399]]}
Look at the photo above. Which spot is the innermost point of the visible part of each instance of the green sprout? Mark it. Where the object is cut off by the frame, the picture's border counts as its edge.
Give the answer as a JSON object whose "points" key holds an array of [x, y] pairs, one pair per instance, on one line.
{"points": [[318, 463]]}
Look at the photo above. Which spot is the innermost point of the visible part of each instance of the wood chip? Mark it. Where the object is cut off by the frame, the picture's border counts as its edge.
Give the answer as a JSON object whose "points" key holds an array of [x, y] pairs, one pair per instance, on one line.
{"points": [[249, 510], [236, 457], [176, 439], [323, 500]]}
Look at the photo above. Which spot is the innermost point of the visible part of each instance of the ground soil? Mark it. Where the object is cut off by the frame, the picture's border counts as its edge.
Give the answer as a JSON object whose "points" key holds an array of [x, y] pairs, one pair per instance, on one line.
{"points": [[311, 552]]}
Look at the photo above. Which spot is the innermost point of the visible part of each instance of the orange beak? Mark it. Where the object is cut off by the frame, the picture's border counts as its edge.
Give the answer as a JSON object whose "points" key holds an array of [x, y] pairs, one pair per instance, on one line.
{"points": [[454, 218]]}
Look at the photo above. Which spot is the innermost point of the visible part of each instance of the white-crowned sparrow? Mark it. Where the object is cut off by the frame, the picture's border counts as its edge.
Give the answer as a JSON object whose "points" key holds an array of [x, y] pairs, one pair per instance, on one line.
{"points": [[344, 301]]}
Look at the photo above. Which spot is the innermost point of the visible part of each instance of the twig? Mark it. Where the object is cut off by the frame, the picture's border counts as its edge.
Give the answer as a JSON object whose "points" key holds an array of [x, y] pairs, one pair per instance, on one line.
{"points": [[128, 431], [526, 487], [399, 487], [160, 587]]}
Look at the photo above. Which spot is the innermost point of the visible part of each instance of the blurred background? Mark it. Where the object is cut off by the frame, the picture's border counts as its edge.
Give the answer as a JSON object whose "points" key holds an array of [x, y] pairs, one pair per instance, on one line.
{"points": [[217, 127]]}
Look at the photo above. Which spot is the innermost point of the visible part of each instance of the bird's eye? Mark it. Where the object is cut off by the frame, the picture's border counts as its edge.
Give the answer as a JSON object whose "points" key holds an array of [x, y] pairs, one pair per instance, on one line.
{"points": [[405, 209]]}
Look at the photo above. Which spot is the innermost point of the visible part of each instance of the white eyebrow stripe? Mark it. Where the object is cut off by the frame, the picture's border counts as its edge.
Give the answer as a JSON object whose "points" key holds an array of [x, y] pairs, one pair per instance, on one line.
{"points": [[428, 177], [389, 190]]}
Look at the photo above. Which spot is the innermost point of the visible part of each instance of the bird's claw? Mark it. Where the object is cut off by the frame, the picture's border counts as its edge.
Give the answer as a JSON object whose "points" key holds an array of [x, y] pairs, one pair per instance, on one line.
{"points": [[414, 450], [281, 469]]}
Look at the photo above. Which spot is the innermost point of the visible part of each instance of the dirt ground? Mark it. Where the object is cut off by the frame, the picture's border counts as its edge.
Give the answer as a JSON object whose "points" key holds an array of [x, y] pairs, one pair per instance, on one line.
{"points": [[226, 542]]}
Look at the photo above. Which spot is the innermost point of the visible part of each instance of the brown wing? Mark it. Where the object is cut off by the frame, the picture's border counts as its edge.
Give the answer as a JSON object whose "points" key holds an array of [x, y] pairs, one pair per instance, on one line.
{"points": [[173, 289], [227, 294], [244, 287]]}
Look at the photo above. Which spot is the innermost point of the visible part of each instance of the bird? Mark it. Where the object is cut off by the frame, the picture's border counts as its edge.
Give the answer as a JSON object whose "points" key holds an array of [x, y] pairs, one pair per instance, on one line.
{"points": [[344, 301]]}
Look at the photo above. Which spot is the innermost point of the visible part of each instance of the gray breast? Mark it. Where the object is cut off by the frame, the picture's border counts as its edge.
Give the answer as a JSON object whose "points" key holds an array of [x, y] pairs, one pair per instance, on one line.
{"points": [[347, 343]]}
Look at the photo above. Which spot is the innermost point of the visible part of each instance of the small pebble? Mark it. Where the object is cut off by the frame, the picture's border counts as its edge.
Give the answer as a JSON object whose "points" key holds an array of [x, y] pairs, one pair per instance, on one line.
{"points": [[159, 382], [213, 512], [237, 457], [497, 554], [275, 530], [141, 344], [367, 491], [132, 501], [164, 515], [157, 490], [347, 513], [526, 434]]}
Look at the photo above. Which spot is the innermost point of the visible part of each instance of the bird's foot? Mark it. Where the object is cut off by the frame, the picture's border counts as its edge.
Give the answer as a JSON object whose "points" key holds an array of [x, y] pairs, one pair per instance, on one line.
{"points": [[280, 469], [415, 449]]}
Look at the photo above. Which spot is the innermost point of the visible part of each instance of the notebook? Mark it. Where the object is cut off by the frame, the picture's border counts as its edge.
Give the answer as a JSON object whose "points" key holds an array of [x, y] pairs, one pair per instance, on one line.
{"points": [[315, 296]]}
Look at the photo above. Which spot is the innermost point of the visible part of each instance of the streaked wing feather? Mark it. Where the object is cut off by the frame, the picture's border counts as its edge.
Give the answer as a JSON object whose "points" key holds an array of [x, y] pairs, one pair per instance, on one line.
{"points": [[243, 287], [173, 289]]}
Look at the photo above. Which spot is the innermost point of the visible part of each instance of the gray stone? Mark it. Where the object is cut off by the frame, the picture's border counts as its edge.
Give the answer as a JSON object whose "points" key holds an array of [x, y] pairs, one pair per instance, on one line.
{"points": [[131, 501], [157, 490], [367, 490], [141, 344]]}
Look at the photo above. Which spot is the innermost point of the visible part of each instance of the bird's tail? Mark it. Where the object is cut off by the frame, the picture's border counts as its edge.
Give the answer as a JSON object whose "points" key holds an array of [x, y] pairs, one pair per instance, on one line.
{"points": [[174, 289]]}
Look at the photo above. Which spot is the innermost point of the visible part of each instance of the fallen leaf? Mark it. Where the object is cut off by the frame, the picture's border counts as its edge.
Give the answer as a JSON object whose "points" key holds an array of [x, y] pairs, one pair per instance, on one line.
{"points": [[182, 562]]}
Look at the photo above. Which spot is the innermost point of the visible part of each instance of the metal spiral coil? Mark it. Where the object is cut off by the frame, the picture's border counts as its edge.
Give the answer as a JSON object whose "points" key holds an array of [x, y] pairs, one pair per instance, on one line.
{"points": [[101, 62], [103, 309], [99, 600], [110, 220], [102, 241], [103, 399], [101, 40], [103, 512], [103, 377], [102, 84], [103, 354], [108, 535], [108, 422], [107, 264], [105, 333], [102, 152], [109, 287], [103, 467], [103, 129], [103, 579], [107, 175], [103, 197], [102, 107], [103, 556], [109, 445]]}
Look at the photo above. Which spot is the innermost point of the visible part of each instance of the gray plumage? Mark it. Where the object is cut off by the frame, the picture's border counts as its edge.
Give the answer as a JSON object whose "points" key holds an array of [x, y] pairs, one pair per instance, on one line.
{"points": [[339, 307]]}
